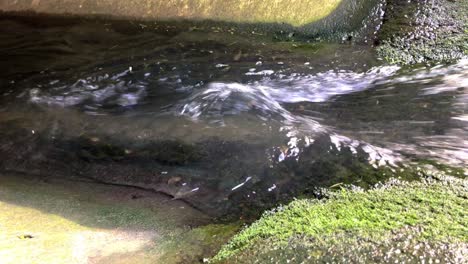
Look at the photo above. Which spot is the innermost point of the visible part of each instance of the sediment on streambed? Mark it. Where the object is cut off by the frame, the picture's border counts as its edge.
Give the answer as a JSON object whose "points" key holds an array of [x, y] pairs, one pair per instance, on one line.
{"points": [[398, 221]]}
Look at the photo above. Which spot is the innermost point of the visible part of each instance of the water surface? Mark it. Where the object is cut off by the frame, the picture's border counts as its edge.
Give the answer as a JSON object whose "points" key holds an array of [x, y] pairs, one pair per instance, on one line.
{"points": [[225, 120]]}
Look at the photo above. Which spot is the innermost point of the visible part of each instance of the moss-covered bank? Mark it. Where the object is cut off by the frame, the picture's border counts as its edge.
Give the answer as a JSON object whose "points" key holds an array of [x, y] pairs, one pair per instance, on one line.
{"points": [[424, 31], [399, 221]]}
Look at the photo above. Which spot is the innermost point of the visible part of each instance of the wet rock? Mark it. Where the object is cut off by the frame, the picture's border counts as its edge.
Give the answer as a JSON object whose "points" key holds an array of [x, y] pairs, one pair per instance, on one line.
{"points": [[376, 226], [424, 31]]}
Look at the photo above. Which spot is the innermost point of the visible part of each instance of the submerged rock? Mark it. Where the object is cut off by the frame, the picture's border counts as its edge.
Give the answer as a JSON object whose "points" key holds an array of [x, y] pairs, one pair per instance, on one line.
{"points": [[222, 178]]}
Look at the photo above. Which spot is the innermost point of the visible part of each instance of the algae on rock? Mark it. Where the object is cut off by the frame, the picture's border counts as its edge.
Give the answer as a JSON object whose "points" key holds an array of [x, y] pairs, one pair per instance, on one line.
{"points": [[424, 31], [417, 213]]}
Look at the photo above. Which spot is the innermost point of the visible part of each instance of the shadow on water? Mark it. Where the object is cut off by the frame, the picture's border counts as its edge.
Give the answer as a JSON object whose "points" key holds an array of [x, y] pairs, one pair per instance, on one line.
{"points": [[61, 42]]}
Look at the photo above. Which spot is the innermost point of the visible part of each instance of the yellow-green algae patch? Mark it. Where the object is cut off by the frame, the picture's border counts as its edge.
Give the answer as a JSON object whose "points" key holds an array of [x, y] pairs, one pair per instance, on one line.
{"points": [[293, 12], [74, 222]]}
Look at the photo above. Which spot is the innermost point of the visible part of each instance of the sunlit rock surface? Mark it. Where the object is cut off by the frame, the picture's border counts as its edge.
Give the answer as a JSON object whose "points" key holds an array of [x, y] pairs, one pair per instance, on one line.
{"points": [[305, 15]]}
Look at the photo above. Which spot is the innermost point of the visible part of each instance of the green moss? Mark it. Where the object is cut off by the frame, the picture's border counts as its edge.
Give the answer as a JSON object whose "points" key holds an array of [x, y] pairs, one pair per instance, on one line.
{"points": [[435, 205], [402, 246]]}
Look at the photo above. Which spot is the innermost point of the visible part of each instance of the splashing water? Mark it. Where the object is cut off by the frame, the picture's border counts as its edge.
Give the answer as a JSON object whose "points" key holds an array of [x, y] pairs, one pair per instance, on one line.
{"points": [[94, 92], [224, 121]]}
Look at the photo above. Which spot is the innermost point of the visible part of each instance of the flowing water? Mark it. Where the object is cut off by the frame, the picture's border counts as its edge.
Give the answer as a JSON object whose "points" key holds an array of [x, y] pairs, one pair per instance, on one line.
{"points": [[225, 120]]}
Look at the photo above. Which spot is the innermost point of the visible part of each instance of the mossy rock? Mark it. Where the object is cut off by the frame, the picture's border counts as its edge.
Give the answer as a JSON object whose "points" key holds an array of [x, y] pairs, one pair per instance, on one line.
{"points": [[424, 31], [428, 212]]}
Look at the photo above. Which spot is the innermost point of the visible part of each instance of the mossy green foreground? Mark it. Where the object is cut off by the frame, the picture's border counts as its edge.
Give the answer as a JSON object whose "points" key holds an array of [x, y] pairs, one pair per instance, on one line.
{"points": [[400, 221]]}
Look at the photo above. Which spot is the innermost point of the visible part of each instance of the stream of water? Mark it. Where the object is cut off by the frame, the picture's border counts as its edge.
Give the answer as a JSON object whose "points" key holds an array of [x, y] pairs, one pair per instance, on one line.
{"points": [[222, 119]]}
